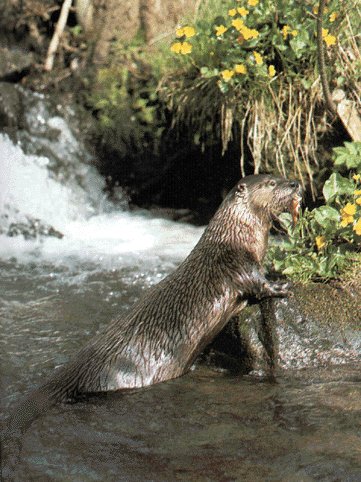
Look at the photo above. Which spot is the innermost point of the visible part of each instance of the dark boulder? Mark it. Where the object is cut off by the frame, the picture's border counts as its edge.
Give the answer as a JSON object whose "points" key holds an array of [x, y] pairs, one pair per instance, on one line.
{"points": [[14, 64], [320, 325]]}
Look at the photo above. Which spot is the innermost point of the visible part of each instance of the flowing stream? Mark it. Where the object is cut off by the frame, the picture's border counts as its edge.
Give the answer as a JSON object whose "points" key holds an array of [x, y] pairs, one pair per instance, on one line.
{"points": [[57, 292]]}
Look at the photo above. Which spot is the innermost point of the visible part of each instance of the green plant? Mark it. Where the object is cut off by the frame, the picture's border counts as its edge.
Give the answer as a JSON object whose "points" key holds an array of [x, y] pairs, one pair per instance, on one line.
{"points": [[253, 64], [124, 96], [326, 239]]}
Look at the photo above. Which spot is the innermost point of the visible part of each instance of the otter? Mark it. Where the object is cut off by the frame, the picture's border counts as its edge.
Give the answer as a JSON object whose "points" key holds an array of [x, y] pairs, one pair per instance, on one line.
{"points": [[161, 336]]}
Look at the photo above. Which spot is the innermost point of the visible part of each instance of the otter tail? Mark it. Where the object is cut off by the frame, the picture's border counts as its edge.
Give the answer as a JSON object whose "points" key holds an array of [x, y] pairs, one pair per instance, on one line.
{"points": [[35, 404]]}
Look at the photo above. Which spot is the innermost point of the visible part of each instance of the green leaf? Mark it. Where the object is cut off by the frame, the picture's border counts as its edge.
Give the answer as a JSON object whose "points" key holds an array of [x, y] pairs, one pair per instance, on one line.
{"points": [[223, 87], [326, 216], [307, 83], [348, 155], [337, 185]]}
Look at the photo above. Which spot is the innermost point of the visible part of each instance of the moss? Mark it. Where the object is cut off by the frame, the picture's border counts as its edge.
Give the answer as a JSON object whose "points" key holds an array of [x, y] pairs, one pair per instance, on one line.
{"points": [[331, 305]]}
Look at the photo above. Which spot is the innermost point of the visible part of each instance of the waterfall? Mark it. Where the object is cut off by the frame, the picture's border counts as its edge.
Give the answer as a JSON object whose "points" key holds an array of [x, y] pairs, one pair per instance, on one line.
{"points": [[53, 205]]}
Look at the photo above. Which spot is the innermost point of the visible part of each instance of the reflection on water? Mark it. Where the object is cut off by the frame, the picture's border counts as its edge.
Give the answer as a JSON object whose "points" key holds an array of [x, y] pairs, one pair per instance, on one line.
{"points": [[205, 426]]}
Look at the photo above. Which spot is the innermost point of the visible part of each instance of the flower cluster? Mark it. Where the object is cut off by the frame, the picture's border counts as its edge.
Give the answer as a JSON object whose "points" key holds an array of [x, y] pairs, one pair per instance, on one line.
{"points": [[249, 43], [328, 38], [238, 30], [183, 46], [351, 212], [287, 30], [236, 37]]}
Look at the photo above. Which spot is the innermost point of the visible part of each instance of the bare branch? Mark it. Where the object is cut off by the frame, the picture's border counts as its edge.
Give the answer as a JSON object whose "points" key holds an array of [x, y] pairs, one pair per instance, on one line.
{"points": [[54, 43]]}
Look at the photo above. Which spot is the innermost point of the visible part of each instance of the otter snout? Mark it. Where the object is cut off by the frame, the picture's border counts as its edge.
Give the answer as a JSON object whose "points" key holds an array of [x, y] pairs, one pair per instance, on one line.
{"points": [[295, 184], [297, 187]]}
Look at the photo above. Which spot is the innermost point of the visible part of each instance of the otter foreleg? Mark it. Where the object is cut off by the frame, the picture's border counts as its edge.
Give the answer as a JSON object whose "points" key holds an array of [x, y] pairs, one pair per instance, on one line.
{"points": [[259, 287], [274, 289]]}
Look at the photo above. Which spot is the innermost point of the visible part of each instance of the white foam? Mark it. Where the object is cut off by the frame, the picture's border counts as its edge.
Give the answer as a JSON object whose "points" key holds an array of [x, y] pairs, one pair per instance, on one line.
{"points": [[117, 238], [27, 188]]}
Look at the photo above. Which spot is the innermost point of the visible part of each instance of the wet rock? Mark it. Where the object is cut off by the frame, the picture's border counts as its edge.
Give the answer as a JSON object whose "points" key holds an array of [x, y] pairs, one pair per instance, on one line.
{"points": [[32, 229], [11, 106], [181, 215], [320, 325], [14, 64]]}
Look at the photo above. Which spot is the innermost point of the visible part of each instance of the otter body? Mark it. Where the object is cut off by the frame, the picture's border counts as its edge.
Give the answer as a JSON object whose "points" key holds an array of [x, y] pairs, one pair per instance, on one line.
{"points": [[165, 331]]}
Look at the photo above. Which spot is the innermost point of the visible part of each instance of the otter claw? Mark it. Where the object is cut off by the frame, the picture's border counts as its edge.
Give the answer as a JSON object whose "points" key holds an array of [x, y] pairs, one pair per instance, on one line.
{"points": [[280, 290]]}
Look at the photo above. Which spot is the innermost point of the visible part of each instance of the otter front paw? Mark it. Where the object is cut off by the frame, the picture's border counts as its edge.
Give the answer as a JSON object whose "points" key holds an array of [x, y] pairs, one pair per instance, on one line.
{"points": [[276, 290]]}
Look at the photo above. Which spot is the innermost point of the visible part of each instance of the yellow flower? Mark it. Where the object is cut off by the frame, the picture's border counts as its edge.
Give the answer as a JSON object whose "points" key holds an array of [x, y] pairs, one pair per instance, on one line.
{"points": [[242, 11], [315, 10], [227, 74], [346, 220], [330, 40], [356, 177], [254, 33], [232, 12], [349, 209], [347, 214], [253, 3], [248, 33], [176, 47], [186, 48], [333, 16], [240, 69], [238, 23], [357, 192], [271, 70], [220, 30], [258, 58], [183, 48], [357, 227], [320, 242], [358, 201], [186, 31], [324, 32], [189, 31], [285, 31]]}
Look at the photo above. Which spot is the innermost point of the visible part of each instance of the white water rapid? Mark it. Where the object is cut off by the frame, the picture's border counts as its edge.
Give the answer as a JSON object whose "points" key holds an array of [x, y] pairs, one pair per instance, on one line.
{"points": [[94, 230]]}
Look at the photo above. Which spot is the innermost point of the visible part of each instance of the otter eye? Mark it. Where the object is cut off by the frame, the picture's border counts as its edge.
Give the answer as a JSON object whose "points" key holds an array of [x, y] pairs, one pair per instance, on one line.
{"points": [[272, 183]]}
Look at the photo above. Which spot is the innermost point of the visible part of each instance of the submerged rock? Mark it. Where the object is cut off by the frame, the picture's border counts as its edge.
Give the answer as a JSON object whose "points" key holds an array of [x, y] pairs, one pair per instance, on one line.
{"points": [[320, 325], [11, 107], [32, 229]]}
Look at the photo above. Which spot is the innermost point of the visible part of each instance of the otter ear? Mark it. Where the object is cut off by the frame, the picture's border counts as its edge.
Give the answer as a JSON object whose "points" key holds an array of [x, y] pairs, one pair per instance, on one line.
{"points": [[241, 190]]}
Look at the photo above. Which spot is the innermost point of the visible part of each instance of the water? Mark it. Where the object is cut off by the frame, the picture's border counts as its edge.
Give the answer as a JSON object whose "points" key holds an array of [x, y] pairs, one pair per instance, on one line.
{"points": [[55, 294]]}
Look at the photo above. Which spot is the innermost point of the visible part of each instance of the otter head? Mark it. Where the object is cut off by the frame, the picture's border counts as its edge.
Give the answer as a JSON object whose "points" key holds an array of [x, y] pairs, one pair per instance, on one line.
{"points": [[269, 196]]}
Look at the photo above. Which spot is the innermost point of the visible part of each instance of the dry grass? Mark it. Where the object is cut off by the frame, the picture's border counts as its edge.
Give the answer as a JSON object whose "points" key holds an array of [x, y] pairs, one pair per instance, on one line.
{"points": [[349, 54], [283, 130], [279, 127]]}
